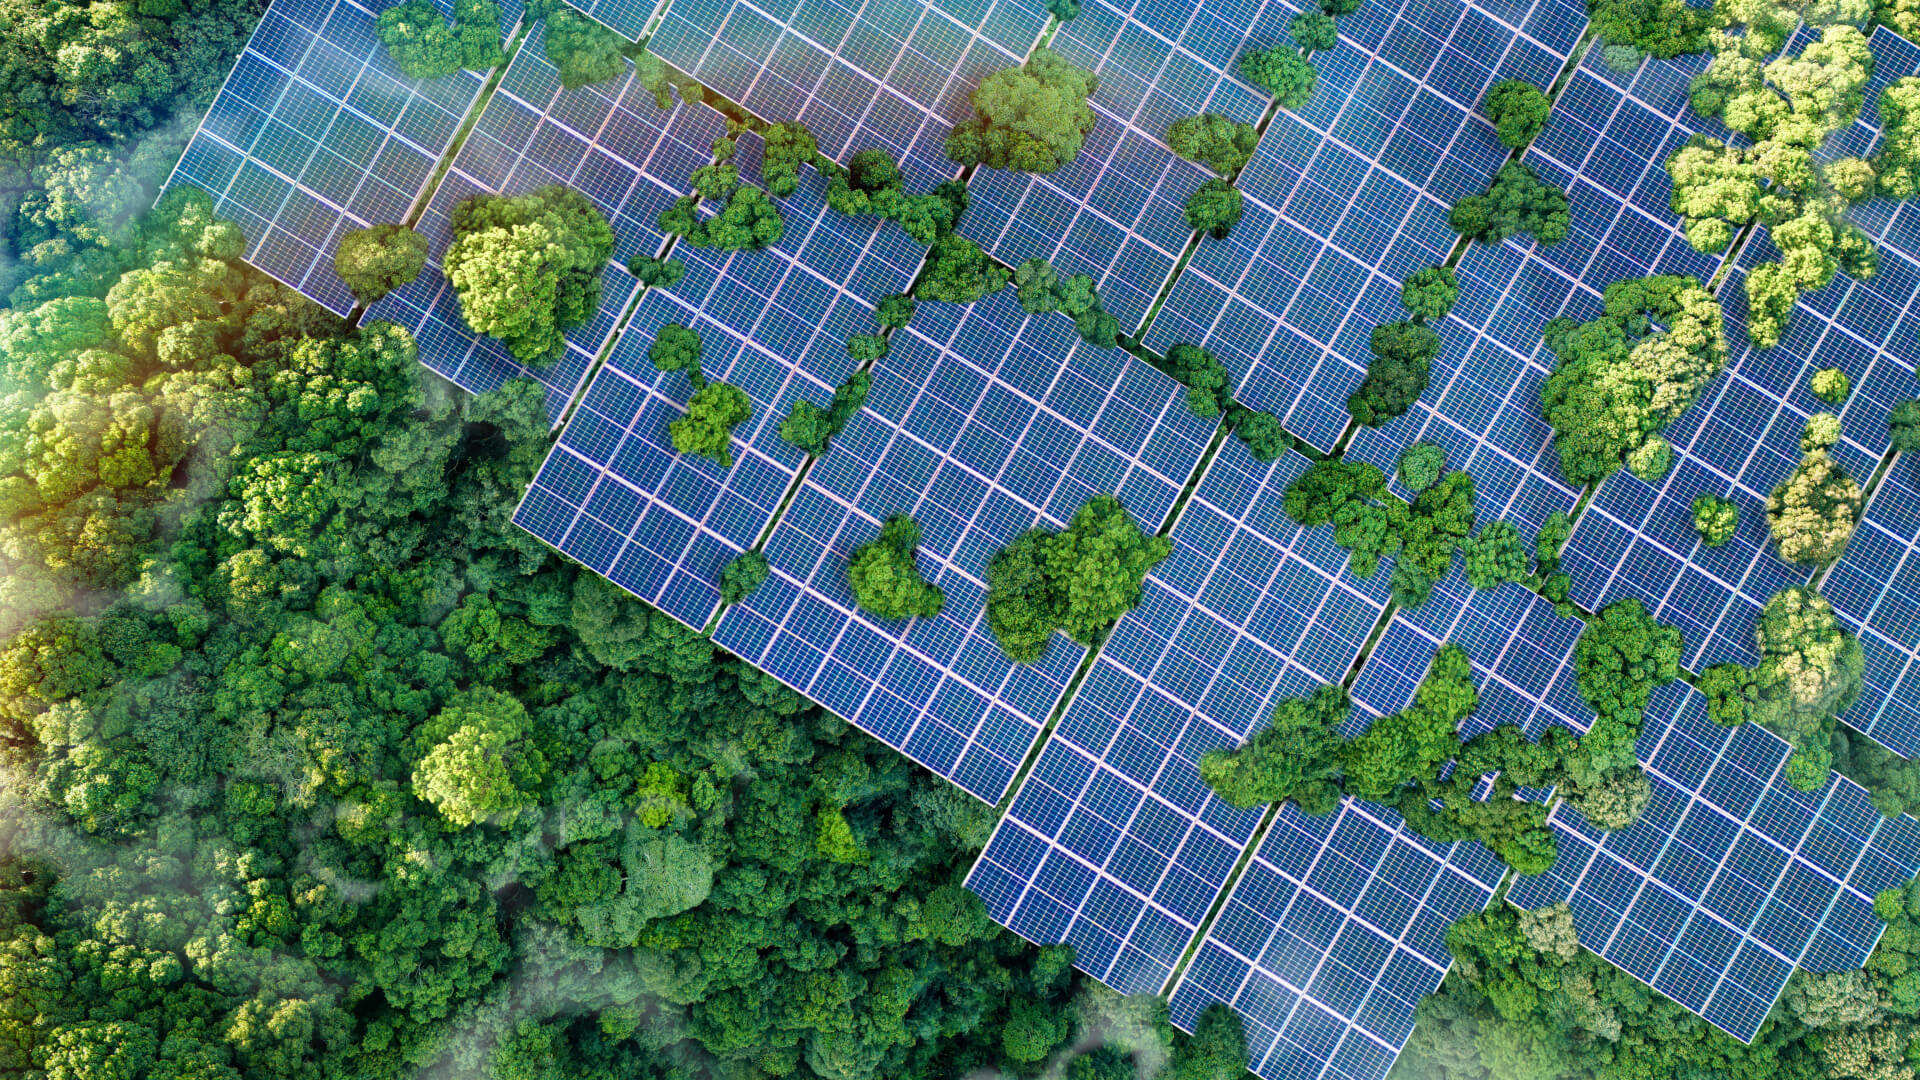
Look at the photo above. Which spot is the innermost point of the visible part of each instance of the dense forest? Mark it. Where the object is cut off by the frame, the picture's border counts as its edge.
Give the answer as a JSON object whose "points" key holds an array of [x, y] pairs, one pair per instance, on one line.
{"points": [[313, 765]]}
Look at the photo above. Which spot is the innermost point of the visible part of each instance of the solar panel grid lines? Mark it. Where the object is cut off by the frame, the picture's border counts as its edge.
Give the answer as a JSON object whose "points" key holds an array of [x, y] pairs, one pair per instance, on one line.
{"points": [[1731, 878], [316, 132], [1875, 588], [1318, 258], [1330, 938], [1113, 843], [628, 18], [611, 142], [858, 73], [615, 494]]}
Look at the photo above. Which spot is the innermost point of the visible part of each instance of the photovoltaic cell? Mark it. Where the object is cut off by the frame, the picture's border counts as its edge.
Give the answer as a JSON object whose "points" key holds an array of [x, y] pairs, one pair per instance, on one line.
{"points": [[859, 73], [1009, 424], [1344, 199], [1875, 588], [316, 133], [1332, 935], [617, 496], [1732, 877], [611, 142], [628, 18], [1113, 843]]}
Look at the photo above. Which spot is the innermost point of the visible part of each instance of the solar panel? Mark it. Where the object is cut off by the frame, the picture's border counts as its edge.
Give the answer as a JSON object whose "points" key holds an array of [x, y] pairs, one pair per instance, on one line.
{"points": [[1331, 936], [614, 493], [608, 140], [628, 18], [316, 133], [1731, 878], [1345, 198], [889, 73], [1113, 843], [1876, 589], [1010, 423]]}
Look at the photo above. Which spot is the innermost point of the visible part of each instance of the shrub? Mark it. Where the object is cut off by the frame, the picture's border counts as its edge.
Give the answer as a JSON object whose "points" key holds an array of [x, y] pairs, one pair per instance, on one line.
{"points": [[1223, 145], [1261, 433], [1517, 201], [811, 428], [885, 580], [1430, 293], [1821, 433], [707, 428], [527, 267], [1282, 72], [1214, 208], [1715, 519], [1518, 110], [377, 260], [1033, 118], [866, 348]]}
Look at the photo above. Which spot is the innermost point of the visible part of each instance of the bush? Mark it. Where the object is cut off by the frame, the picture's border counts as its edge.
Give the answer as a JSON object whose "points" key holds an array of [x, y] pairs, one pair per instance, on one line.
{"points": [[1421, 466], [1430, 293], [1518, 110], [1282, 72], [1079, 580], [707, 428], [1813, 512], [656, 272], [584, 51], [1903, 426], [1214, 208], [1223, 145], [1831, 386], [527, 267], [1517, 201], [1033, 118], [377, 260], [885, 580], [1403, 355], [743, 574], [1313, 31], [1715, 519]]}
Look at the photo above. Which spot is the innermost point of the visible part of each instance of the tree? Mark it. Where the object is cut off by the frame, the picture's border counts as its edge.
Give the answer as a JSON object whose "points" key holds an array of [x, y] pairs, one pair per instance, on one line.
{"points": [[873, 184], [1621, 656], [1496, 556], [584, 50], [1217, 1050], [677, 348], [1811, 668], [1517, 201], [1411, 745], [1403, 354], [1209, 384], [1430, 293], [1903, 426], [1260, 432], [1518, 110], [656, 272], [1652, 459], [748, 220], [527, 267], [1063, 10], [476, 761], [1897, 166], [1813, 512], [743, 574], [1214, 208], [1280, 71], [377, 260], [866, 348], [1313, 31], [1033, 118], [1079, 580], [885, 580], [1715, 518], [707, 427], [788, 146], [1831, 386], [1223, 145], [418, 39], [1421, 465], [959, 272], [1296, 756]]}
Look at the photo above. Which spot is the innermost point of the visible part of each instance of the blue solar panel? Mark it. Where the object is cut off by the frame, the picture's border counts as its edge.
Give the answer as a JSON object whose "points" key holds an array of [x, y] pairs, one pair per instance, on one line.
{"points": [[1344, 199], [1876, 588], [316, 133], [888, 73], [1731, 878], [978, 439], [1332, 935], [615, 495], [1113, 843], [629, 18], [608, 140]]}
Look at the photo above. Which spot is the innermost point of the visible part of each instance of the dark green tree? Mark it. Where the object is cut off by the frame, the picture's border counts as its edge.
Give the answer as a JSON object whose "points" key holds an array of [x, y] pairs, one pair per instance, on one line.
{"points": [[1214, 208], [1517, 201], [1223, 145], [1518, 110], [1282, 72]]}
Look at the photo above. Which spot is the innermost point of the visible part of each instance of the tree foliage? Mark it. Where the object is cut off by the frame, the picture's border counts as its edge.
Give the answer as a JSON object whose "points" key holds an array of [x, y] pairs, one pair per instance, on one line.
{"points": [[1281, 71], [1403, 355], [1813, 511], [1518, 110], [885, 580], [959, 272], [1421, 465], [1079, 580], [747, 219], [707, 427], [1296, 756], [1429, 293], [377, 260], [873, 184], [656, 272], [1496, 555], [1517, 201], [1214, 208], [1313, 31], [1621, 657], [1715, 518], [527, 267], [1622, 377], [788, 146], [1033, 118], [583, 49], [423, 46], [743, 574], [1209, 384], [1223, 145]]}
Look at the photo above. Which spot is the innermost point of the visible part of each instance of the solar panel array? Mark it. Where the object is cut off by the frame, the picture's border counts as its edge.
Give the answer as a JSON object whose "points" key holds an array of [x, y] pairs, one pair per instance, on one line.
{"points": [[1731, 878], [614, 493], [316, 133], [888, 73], [1347, 196], [609, 141], [1331, 936], [628, 18], [1113, 843], [981, 424]]}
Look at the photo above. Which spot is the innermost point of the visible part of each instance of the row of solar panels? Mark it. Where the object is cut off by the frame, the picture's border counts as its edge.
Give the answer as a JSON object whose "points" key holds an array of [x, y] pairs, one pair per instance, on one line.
{"points": [[980, 427]]}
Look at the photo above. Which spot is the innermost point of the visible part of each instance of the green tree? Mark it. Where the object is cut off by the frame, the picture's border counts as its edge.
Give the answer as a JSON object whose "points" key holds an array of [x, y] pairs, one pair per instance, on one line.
{"points": [[788, 146], [743, 574], [748, 219], [894, 312], [477, 762], [1496, 556], [1282, 72], [1033, 118], [1813, 511], [1214, 208], [527, 267], [1621, 656], [1429, 293], [377, 260], [959, 272], [1715, 519], [1421, 465], [1296, 756], [885, 580], [1209, 384], [1831, 386], [656, 272], [584, 50], [1903, 426], [1810, 670], [1313, 31], [707, 427], [420, 42], [1079, 580], [1517, 201], [1223, 145], [1518, 110], [1403, 355]]}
